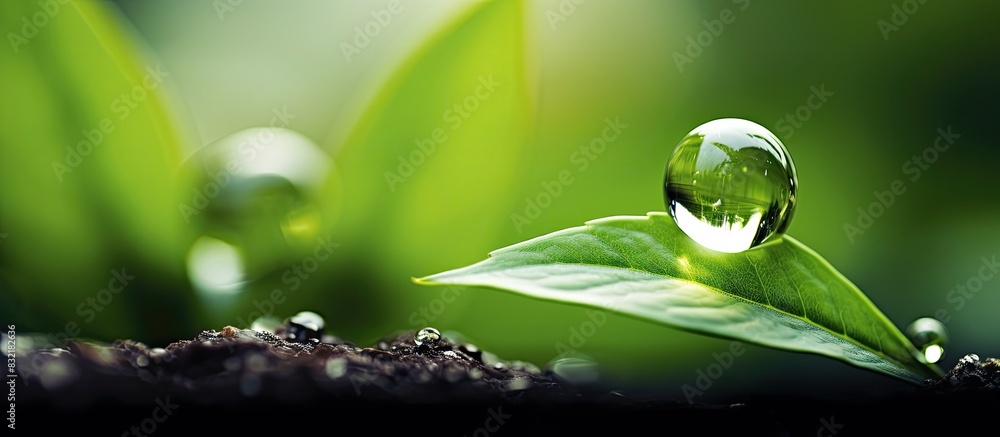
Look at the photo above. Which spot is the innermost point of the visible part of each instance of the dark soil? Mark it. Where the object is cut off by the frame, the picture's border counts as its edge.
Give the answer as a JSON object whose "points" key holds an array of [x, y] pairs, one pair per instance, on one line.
{"points": [[238, 381]]}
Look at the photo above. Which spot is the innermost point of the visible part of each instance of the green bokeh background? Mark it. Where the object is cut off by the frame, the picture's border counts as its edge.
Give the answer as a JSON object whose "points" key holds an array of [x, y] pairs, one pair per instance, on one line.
{"points": [[230, 66]]}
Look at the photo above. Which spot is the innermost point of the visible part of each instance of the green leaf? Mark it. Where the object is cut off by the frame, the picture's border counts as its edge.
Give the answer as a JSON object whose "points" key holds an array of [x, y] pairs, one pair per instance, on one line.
{"points": [[781, 295], [88, 164]]}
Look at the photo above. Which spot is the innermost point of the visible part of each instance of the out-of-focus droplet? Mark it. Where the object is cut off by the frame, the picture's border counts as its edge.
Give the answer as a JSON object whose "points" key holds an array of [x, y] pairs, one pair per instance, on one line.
{"points": [[929, 336], [422, 376], [160, 354], [270, 194], [475, 374], [524, 366], [489, 358], [336, 367], [257, 363], [576, 370], [730, 185], [58, 373], [517, 384], [266, 324], [428, 336], [454, 336], [453, 374], [215, 267], [472, 351], [23, 345]]}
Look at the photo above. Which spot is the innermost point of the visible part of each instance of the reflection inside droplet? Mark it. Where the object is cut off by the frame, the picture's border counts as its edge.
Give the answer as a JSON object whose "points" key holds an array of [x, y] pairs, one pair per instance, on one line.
{"points": [[428, 336], [730, 185], [215, 267], [933, 353], [929, 336]]}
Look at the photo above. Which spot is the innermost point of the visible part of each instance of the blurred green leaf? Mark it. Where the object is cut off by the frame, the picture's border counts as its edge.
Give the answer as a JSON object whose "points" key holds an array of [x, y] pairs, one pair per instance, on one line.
{"points": [[447, 128], [97, 145], [781, 295], [459, 102]]}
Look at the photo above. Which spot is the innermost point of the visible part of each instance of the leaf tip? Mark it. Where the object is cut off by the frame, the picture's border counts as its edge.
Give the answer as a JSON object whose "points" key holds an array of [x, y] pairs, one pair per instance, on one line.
{"points": [[426, 280]]}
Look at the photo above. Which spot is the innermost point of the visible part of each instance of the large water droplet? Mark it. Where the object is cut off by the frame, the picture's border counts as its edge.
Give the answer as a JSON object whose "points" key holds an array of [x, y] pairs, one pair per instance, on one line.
{"points": [[730, 185], [929, 336], [264, 194]]}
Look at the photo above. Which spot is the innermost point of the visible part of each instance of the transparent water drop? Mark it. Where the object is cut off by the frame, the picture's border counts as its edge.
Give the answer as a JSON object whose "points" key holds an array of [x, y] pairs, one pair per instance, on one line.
{"points": [[730, 185], [929, 336], [261, 199], [969, 359], [427, 335], [308, 320], [303, 327]]}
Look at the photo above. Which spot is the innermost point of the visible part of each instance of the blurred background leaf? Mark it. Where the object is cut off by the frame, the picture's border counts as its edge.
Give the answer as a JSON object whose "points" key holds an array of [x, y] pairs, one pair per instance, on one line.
{"points": [[88, 165], [564, 70]]}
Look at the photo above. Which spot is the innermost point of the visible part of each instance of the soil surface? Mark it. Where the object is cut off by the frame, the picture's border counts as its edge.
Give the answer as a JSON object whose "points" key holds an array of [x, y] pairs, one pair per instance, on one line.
{"points": [[295, 380]]}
